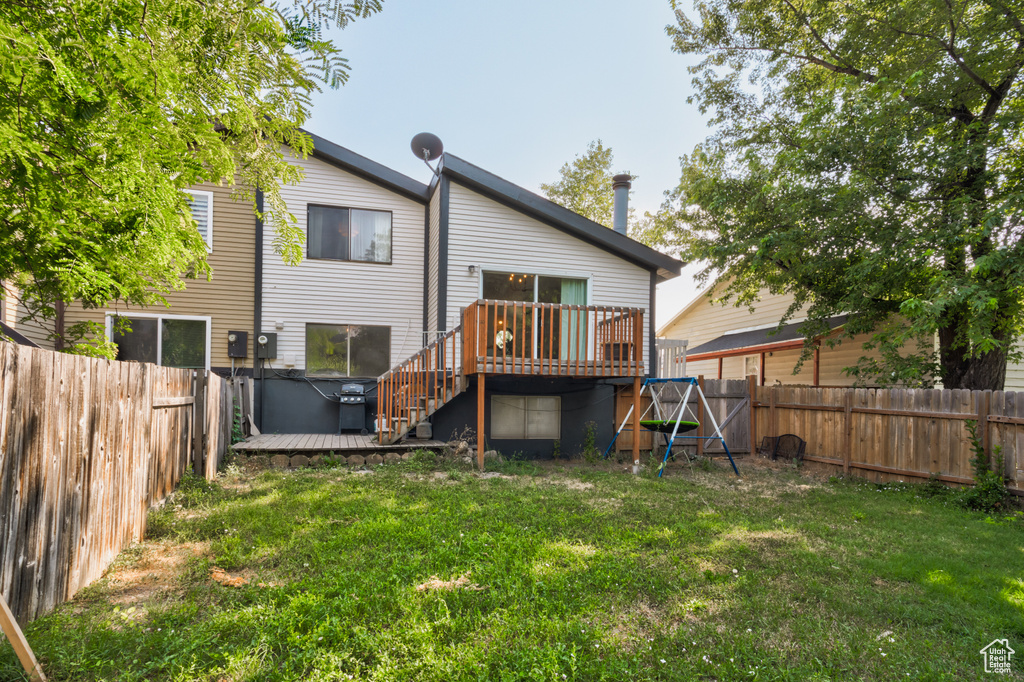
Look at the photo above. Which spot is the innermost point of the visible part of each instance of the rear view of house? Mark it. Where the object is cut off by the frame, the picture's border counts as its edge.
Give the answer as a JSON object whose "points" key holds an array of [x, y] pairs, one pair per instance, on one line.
{"points": [[469, 298]]}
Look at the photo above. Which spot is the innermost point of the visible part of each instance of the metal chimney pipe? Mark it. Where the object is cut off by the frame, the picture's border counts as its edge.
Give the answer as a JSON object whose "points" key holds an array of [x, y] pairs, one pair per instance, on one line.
{"points": [[621, 184]]}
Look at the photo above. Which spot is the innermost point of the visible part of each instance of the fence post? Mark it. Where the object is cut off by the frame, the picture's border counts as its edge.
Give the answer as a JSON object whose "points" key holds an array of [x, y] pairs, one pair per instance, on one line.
{"points": [[198, 421], [983, 401], [752, 387], [700, 416], [773, 426], [848, 424]]}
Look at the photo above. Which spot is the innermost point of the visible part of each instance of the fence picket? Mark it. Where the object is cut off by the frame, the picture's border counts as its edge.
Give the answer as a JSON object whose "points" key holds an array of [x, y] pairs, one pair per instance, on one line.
{"points": [[83, 454]]}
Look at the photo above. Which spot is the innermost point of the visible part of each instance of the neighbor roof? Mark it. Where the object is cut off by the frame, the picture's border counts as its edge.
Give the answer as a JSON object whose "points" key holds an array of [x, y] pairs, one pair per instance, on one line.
{"points": [[557, 216], [758, 338], [13, 334]]}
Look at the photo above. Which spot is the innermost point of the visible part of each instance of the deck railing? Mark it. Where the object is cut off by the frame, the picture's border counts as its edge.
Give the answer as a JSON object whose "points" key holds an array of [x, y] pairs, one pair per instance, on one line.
{"points": [[550, 339], [413, 390]]}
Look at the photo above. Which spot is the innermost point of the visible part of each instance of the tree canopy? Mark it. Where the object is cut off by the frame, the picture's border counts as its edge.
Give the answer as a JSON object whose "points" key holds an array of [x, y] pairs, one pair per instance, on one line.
{"points": [[585, 184], [110, 109], [868, 160]]}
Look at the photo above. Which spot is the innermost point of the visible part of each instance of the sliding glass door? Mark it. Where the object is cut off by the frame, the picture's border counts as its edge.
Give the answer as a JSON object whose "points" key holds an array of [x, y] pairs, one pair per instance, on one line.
{"points": [[555, 334]]}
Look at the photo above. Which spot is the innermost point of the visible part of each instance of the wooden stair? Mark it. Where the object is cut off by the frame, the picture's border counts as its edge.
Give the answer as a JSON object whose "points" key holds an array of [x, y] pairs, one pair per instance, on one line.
{"points": [[418, 387]]}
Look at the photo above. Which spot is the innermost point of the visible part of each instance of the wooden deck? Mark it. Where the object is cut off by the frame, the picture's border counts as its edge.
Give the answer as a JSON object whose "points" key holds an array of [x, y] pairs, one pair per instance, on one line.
{"points": [[325, 442]]}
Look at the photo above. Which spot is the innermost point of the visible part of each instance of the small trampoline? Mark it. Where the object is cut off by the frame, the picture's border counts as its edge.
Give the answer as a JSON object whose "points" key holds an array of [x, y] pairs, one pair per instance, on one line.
{"points": [[668, 425]]}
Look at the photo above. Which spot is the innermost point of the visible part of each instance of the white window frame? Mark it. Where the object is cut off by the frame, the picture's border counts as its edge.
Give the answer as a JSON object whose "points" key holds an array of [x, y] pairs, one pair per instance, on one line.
{"points": [[110, 315], [348, 348], [757, 365], [525, 410], [209, 215]]}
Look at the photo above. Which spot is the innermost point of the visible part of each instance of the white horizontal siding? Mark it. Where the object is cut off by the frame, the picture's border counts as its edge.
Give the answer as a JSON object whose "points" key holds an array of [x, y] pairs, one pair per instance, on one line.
{"points": [[1015, 374], [495, 237], [434, 251], [707, 320], [343, 292]]}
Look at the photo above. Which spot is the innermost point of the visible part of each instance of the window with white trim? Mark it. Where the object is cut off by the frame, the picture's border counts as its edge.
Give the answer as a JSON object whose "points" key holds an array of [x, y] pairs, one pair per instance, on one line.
{"points": [[751, 365], [347, 350], [168, 340], [201, 205], [526, 416], [336, 233]]}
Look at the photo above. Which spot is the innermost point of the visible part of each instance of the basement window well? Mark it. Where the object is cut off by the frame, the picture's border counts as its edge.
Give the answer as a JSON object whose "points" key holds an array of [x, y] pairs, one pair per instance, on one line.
{"points": [[168, 340]]}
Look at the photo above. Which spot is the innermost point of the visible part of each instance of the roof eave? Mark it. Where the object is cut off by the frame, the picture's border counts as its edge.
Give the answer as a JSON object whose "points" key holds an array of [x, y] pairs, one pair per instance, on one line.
{"points": [[559, 217], [359, 165]]}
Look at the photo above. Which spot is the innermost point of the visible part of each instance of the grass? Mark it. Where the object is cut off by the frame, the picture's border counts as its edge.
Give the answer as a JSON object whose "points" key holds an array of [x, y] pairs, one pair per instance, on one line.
{"points": [[546, 573]]}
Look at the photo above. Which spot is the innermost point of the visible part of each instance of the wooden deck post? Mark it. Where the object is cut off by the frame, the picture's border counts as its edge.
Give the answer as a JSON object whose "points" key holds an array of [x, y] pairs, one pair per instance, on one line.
{"points": [[637, 385], [480, 404]]}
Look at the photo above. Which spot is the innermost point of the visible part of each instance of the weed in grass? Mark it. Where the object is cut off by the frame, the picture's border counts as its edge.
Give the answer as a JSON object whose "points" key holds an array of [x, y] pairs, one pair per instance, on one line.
{"points": [[989, 491], [590, 453]]}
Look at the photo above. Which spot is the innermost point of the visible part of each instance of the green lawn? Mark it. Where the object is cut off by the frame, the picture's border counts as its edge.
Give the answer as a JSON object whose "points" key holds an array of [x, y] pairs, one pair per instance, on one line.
{"points": [[544, 574]]}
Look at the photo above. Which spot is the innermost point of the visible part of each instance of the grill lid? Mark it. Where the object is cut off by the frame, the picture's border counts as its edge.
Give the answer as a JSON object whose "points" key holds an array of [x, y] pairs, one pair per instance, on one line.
{"points": [[352, 389]]}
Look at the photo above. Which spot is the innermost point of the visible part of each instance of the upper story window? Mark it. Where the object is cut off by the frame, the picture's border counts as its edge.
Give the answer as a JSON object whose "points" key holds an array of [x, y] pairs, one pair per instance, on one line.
{"points": [[350, 234], [201, 205]]}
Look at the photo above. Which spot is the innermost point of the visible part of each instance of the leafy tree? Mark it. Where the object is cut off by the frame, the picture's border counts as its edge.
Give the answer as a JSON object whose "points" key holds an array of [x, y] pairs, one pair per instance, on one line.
{"points": [[867, 159], [585, 185], [109, 109]]}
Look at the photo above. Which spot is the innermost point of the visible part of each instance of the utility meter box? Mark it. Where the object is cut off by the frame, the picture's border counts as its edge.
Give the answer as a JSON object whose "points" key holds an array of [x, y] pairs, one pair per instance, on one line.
{"points": [[238, 344], [266, 345]]}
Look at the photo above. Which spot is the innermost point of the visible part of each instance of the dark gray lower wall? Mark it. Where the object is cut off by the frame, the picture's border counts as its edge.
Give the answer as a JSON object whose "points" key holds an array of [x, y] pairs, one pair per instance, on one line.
{"points": [[292, 405], [583, 401]]}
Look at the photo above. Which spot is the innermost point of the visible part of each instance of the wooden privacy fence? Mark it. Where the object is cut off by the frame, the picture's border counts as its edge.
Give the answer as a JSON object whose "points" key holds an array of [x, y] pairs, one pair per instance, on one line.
{"points": [[896, 433], [882, 434], [86, 447]]}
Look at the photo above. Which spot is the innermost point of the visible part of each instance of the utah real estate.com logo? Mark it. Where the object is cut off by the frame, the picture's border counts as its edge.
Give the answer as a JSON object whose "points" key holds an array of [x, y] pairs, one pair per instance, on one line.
{"points": [[997, 656]]}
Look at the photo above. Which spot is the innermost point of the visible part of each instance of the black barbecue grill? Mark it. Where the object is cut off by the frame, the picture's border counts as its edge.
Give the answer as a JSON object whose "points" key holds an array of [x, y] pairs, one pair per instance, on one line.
{"points": [[352, 410]]}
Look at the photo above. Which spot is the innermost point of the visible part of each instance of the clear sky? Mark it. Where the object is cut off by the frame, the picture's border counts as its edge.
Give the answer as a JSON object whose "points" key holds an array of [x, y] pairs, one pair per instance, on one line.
{"points": [[519, 89]]}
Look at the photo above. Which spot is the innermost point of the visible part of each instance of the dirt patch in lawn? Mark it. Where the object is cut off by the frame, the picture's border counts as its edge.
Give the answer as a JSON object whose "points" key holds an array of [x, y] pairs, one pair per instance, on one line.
{"points": [[157, 572], [460, 583]]}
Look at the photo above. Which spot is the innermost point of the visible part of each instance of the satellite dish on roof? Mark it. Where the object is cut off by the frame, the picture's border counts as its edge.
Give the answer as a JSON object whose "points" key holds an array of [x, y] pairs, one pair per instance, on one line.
{"points": [[427, 146]]}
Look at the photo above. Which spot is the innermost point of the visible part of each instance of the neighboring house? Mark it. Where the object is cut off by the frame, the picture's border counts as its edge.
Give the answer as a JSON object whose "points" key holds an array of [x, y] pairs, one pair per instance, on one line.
{"points": [[191, 332], [732, 342], [392, 264]]}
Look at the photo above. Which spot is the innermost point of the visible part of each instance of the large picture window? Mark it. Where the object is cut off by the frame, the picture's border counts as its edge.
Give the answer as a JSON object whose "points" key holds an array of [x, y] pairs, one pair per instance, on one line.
{"points": [[353, 234], [526, 417], [201, 205], [347, 350], [171, 341]]}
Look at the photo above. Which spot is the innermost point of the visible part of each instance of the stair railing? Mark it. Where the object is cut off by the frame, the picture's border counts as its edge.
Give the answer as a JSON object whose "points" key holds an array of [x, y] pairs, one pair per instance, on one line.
{"points": [[413, 390]]}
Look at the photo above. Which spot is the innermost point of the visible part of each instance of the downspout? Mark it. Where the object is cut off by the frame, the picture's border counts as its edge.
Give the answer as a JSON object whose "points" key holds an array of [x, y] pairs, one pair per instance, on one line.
{"points": [[257, 313]]}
